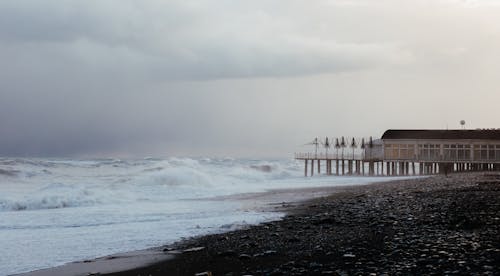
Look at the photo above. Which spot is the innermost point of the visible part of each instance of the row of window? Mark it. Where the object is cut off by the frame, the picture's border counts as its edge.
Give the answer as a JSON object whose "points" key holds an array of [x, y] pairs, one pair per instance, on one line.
{"points": [[449, 151]]}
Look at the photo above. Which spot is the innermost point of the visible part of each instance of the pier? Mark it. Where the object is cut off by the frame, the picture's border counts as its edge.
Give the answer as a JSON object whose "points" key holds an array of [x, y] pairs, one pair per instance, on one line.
{"points": [[408, 152]]}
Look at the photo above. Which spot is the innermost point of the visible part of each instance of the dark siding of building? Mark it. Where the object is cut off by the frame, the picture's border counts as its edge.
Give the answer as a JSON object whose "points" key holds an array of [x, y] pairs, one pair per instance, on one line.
{"points": [[486, 134]]}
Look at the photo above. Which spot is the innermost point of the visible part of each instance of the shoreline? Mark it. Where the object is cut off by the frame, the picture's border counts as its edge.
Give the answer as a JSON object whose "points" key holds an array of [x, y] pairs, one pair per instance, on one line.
{"points": [[436, 225], [323, 235], [270, 201]]}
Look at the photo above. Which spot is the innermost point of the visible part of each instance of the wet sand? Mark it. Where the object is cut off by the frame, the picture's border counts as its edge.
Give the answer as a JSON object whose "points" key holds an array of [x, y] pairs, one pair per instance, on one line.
{"points": [[108, 264], [427, 226]]}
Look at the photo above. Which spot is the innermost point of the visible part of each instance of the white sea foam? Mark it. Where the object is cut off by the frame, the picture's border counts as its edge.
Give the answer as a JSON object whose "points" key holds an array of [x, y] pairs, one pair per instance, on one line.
{"points": [[57, 211]]}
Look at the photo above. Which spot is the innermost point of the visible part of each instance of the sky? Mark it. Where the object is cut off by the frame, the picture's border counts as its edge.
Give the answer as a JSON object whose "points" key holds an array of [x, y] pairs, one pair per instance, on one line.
{"points": [[259, 78]]}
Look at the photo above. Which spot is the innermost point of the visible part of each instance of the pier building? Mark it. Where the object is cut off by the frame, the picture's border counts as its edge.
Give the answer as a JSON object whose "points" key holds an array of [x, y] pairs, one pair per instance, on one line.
{"points": [[410, 152]]}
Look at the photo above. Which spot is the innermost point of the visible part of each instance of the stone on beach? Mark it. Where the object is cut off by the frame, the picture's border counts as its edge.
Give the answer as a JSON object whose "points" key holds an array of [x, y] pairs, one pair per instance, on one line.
{"points": [[436, 225]]}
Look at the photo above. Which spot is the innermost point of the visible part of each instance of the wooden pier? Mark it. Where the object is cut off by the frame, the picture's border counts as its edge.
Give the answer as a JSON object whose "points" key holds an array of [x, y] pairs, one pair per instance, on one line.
{"points": [[332, 165]]}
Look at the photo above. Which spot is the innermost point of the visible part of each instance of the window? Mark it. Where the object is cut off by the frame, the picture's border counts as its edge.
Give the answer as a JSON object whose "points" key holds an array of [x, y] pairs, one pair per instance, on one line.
{"points": [[402, 151], [481, 152], [429, 151], [491, 152], [454, 152], [388, 151]]}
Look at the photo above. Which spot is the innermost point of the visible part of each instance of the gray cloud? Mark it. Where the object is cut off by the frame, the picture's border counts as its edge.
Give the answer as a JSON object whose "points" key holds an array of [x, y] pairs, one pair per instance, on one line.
{"points": [[236, 77], [179, 39]]}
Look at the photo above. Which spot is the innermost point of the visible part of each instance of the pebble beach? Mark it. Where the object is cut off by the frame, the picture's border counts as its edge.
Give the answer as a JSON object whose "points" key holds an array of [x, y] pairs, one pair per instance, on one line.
{"points": [[440, 225]]}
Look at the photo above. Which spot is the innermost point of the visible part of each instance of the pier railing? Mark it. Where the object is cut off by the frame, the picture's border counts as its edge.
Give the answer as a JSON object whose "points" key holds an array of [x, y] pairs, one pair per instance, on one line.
{"points": [[364, 157], [443, 159], [329, 156]]}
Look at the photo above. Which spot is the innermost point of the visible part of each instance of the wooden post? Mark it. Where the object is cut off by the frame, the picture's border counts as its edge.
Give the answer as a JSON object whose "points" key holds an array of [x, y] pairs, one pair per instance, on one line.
{"points": [[312, 167], [336, 166], [305, 168], [343, 167], [319, 166], [363, 167], [413, 168]]}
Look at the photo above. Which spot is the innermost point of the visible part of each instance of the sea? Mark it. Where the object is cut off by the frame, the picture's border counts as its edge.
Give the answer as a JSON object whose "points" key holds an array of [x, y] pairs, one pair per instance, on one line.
{"points": [[55, 211]]}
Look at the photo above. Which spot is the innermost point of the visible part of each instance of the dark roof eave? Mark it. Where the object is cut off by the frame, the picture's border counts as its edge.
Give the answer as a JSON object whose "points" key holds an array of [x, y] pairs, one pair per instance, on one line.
{"points": [[455, 134]]}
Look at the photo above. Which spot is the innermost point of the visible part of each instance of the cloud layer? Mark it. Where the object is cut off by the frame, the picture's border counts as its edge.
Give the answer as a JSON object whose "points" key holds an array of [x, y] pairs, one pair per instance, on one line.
{"points": [[235, 77]]}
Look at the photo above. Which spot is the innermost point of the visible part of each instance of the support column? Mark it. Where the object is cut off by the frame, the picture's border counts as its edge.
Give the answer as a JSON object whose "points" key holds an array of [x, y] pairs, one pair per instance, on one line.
{"points": [[343, 167], [336, 166], [319, 166], [312, 167], [305, 167]]}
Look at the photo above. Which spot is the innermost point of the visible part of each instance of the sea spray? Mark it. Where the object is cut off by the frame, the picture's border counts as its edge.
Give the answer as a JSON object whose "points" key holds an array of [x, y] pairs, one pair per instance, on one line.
{"points": [[54, 211]]}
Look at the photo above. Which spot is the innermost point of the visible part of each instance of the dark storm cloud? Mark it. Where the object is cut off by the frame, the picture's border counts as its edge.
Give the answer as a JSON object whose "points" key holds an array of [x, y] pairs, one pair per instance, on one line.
{"points": [[194, 77], [178, 39]]}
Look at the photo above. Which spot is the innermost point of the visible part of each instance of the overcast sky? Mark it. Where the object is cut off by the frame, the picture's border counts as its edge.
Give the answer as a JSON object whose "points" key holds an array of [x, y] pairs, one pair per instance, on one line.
{"points": [[239, 78]]}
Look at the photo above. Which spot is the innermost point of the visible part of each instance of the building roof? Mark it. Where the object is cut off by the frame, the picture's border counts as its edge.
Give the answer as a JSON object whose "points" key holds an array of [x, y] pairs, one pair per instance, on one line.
{"points": [[477, 134]]}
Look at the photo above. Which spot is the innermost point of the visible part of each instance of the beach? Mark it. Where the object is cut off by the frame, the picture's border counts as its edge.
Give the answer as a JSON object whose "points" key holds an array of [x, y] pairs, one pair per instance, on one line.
{"points": [[426, 226], [86, 214]]}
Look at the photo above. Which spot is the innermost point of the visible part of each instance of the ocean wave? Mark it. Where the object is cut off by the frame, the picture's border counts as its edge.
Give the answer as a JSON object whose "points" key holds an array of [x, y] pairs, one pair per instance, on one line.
{"points": [[9, 172], [44, 202], [54, 196], [49, 184], [177, 177]]}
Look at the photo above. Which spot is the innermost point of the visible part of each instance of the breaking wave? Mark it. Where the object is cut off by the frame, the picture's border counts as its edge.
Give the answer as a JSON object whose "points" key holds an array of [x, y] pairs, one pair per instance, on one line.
{"points": [[49, 184]]}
